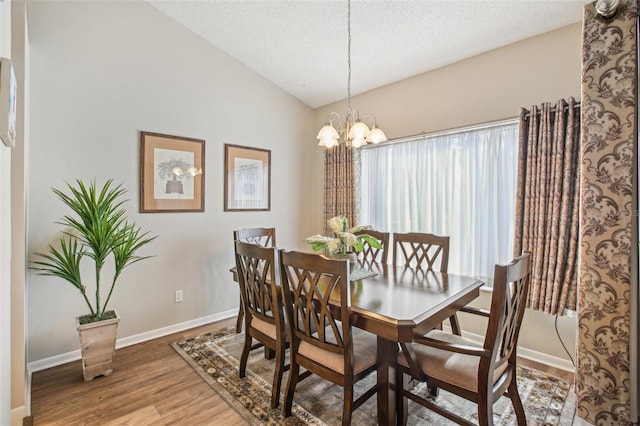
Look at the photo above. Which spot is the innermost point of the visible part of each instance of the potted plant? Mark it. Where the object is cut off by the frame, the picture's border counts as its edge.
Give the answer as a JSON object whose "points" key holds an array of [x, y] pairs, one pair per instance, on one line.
{"points": [[98, 230], [341, 245]]}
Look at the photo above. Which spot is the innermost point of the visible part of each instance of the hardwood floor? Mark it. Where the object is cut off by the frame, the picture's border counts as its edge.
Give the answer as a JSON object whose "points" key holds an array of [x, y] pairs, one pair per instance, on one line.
{"points": [[151, 385]]}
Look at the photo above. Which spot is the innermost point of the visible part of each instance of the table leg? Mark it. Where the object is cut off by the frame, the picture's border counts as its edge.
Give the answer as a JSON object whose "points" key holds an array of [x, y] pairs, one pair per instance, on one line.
{"points": [[386, 376]]}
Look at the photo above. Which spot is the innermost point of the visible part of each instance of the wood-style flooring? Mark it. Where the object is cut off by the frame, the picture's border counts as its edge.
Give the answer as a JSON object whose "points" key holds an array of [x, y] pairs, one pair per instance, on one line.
{"points": [[151, 385]]}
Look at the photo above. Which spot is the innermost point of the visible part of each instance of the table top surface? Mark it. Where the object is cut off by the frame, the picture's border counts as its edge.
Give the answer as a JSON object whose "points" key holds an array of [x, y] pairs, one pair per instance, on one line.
{"points": [[405, 293], [396, 301], [398, 297]]}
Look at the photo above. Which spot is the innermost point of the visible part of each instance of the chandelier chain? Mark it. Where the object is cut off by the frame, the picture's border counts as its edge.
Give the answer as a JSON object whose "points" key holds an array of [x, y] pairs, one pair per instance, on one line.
{"points": [[349, 55], [354, 131]]}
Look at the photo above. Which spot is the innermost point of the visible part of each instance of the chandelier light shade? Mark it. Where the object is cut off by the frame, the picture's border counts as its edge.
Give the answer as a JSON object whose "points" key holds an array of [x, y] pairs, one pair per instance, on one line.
{"points": [[354, 131]]}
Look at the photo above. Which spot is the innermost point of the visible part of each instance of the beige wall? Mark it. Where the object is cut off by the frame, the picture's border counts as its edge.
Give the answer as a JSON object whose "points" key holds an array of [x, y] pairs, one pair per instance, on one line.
{"points": [[487, 87], [19, 56], [101, 72], [12, 223], [5, 242]]}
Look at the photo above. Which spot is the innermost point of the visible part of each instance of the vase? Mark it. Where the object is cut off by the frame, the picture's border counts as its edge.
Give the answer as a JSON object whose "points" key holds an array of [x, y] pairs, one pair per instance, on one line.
{"points": [[350, 256], [98, 347]]}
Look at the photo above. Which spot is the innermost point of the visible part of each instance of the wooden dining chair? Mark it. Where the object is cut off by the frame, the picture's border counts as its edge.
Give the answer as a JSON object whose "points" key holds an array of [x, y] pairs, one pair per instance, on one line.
{"points": [[461, 366], [371, 254], [265, 237], [262, 304], [424, 251], [317, 304]]}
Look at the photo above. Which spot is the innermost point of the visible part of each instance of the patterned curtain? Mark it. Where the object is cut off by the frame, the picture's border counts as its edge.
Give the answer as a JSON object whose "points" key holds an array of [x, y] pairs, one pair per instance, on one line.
{"points": [[338, 185], [609, 121], [547, 203]]}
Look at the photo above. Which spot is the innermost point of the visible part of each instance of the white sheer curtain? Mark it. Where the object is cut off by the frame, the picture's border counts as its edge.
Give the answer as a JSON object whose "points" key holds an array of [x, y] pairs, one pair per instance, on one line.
{"points": [[459, 184]]}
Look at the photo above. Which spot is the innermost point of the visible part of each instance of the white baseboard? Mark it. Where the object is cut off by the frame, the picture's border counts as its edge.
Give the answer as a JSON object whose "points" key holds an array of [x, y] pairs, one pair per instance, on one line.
{"points": [[132, 340], [530, 354], [53, 361], [17, 415]]}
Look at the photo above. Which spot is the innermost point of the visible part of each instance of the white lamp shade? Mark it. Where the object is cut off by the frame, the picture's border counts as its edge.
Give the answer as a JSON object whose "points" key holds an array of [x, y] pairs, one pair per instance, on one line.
{"points": [[328, 143], [376, 136], [358, 142], [328, 136], [358, 130], [328, 132]]}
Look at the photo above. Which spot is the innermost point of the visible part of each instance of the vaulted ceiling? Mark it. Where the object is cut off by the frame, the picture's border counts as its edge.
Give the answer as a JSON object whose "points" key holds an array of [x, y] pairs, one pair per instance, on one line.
{"points": [[301, 46]]}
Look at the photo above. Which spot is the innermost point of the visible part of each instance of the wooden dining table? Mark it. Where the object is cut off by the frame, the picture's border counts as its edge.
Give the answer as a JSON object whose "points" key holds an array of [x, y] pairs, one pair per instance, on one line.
{"points": [[397, 302]]}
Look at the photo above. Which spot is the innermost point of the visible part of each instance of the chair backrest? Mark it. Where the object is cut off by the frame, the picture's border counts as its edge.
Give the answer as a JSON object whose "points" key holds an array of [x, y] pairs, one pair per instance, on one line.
{"points": [[309, 283], [258, 278], [421, 250], [371, 254], [265, 237], [510, 290]]}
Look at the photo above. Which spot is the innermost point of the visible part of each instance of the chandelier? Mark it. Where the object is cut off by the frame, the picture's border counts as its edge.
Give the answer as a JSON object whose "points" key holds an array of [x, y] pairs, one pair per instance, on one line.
{"points": [[354, 131]]}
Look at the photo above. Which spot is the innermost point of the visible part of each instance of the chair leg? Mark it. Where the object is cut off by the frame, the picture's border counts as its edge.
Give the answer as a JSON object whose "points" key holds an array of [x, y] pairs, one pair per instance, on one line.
{"points": [[269, 353], [455, 325], [294, 370], [240, 317], [402, 383], [485, 412], [517, 402], [433, 390], [245, 355], [347, 408], [277, 378]]}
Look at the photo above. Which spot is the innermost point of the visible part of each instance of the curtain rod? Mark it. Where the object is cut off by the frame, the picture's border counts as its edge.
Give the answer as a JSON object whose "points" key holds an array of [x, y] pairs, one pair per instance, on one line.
{"points": [[447, 132], [553, 109], [425, 135]]}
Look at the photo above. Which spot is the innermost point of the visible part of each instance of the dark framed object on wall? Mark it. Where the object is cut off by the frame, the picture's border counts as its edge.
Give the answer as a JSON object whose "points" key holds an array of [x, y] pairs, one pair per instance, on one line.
{"points": [[171, 173], [247, 178]]}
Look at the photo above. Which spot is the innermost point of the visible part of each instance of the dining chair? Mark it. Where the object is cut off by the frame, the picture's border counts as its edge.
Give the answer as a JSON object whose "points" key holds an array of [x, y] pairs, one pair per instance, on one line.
{"points": [[371, 254], [424, 251], [265, 237], [262, 304], [317, 305], [478, 373]]}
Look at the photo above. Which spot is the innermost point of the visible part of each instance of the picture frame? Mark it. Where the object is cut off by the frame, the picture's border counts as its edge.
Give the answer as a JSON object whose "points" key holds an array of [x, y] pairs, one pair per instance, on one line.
{"points": [[172, 173], [247, 178], [8, 109]]}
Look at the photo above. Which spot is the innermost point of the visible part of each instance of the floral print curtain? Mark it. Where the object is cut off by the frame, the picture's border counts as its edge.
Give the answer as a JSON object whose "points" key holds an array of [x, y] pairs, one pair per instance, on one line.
{"points": [[339, 185], [609, 124], [547, 202]]}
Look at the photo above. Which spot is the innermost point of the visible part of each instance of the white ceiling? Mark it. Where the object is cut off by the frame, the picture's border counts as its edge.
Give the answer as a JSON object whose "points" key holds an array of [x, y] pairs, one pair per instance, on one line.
{"points": [[301, 46]]}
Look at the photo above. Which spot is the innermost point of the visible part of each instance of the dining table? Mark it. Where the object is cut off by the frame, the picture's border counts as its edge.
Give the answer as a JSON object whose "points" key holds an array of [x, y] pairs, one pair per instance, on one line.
{"points": [[397, 302]]}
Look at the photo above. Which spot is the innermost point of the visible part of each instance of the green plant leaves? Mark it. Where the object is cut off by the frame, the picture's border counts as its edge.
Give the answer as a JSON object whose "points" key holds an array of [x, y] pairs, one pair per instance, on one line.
{"points": [[98, 229]]}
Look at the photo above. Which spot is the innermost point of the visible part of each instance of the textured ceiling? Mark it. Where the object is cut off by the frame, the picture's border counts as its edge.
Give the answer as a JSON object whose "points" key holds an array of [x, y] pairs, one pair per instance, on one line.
{"points": [[301, 46]]}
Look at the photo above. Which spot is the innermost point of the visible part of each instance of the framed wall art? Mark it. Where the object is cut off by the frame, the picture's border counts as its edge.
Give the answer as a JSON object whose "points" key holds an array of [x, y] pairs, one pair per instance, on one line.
{"points": [[247, 178], [8, 94], [171, 173]]}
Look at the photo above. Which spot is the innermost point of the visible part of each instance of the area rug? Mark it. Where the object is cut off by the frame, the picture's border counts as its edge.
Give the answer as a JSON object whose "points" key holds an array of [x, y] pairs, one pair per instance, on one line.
{"points": [[547, 400]]}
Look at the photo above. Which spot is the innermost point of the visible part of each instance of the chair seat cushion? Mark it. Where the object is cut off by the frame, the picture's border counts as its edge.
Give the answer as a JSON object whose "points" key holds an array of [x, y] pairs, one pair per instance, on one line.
{"points": [[266, 328], [364, 352], [458, 369]]}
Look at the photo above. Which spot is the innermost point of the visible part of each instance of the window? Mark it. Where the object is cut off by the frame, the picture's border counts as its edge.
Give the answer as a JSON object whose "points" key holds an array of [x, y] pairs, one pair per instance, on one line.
{"points": [[460, 184]]}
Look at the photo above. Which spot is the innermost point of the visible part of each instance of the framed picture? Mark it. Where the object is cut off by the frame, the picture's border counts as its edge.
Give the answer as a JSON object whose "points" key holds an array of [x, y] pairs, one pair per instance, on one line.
{"points": [[8, 93], [171, 173], [247, 178]]}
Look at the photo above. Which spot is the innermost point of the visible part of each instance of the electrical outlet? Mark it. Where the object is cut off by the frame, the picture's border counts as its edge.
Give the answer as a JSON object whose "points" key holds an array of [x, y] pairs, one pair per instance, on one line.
{"points": [[178, 296]]}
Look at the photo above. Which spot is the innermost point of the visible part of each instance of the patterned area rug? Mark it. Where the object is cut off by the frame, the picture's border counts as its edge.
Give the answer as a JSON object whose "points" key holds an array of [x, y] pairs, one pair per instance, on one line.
{"points": [[547, 400]]}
